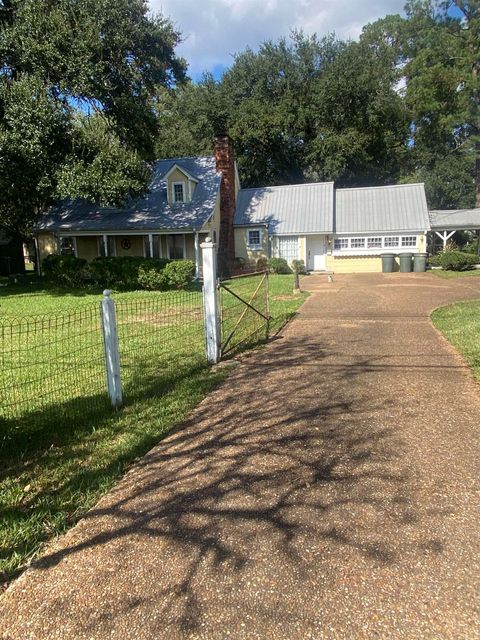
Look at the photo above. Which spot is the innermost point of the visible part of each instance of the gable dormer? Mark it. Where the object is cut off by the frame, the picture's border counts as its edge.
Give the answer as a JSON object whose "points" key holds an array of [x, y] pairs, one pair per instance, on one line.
{"points": [[180, 184]]}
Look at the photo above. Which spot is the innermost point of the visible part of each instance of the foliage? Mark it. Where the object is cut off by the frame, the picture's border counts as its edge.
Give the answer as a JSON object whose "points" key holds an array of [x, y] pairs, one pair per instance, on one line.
{"points": [[121, 272], [60, 59], [298, 266], [262, 264], [453, 260], [151, 278], [65, 270], [178, 273], [279, 265]]}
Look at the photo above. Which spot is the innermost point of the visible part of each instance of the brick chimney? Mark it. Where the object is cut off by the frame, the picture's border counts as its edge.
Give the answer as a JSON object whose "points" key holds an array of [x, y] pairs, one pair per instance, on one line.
{"points": [[225, 162]]}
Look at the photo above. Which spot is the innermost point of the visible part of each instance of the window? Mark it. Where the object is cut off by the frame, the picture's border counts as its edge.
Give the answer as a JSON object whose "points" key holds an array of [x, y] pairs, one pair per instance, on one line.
{"points": [[341, 243], [357, 243], [176, 246], [390, 241], [178, 192], [254, 240], [288, 248], [67, 246], [409, 241], [374, 243]]}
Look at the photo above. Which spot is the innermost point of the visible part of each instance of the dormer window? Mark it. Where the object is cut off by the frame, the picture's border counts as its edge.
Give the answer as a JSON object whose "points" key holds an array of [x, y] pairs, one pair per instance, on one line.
{"points": [[178, 191]]}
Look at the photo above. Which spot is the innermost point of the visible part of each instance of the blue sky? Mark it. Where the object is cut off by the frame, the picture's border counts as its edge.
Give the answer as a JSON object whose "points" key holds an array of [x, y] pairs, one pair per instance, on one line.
{"points": [[214, 30]]}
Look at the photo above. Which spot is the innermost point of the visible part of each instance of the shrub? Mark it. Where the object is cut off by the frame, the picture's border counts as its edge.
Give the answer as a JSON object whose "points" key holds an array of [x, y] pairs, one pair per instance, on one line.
{"points": [[279, 265], [66, 270], [151, 278], [122, 272], [262, 264], [178, 274], [454, 260], [299, 266]]}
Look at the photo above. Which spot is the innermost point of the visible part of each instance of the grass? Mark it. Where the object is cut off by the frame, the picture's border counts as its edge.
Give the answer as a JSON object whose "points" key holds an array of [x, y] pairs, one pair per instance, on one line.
{"points": [[456, 274], [58, 458], [460, 324]]}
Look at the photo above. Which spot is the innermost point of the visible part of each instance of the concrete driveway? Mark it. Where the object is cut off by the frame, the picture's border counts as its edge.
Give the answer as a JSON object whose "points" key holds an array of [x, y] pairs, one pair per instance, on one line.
{"points": [[328, 489]]}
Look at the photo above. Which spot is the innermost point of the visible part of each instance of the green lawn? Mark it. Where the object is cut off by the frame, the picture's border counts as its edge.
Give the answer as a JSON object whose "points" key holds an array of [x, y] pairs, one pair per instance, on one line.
{"points": [[58, 458], [460, 324], [475, 273]]}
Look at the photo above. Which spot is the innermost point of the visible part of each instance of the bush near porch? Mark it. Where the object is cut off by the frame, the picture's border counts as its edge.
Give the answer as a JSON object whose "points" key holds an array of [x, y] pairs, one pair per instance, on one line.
{"points": [[121, 273]]}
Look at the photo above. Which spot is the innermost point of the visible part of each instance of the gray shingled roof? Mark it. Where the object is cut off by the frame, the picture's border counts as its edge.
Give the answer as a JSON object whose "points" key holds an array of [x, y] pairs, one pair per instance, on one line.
{"points": [[151, 212], [292, 209], [381, 209], [460, 219]]}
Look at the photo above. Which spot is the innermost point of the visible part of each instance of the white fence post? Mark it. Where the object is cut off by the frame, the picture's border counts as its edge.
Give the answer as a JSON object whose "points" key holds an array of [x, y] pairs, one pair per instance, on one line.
{"points": [[112, 356], [210, 301]]}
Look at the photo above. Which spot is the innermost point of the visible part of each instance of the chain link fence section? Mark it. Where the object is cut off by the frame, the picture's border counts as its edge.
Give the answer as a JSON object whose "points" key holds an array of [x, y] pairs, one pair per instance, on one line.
{"points": [[161, 339], [52, 367], [244, 312]]}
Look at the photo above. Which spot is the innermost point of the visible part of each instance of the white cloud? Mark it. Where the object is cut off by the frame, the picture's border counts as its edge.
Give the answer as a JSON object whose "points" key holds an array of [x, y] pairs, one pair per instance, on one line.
{"points": [[214, 30]]}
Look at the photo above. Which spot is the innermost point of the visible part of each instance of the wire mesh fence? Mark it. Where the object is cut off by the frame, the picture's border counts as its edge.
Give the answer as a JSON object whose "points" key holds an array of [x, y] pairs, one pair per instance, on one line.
{"points": [[52, 367], [244, 311], [160, 340]]}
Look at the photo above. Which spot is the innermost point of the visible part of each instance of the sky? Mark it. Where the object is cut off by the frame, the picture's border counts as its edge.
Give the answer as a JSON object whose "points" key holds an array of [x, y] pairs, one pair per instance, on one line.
{"points": [[213, 30]]}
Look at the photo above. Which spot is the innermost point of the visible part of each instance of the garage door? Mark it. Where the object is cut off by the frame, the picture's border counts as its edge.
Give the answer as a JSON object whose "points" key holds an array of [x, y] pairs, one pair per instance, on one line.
{"points": [[288, 247]]}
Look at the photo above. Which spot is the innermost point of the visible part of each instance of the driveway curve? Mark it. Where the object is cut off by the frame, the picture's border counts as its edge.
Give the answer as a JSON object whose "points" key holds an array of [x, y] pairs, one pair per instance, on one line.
{"points": [[327, 490]]}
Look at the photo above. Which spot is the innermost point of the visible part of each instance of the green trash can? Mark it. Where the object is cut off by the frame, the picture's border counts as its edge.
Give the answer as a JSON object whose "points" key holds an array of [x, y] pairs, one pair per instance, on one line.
{"points": [[420, 262], [406, 262], [387, 262]]}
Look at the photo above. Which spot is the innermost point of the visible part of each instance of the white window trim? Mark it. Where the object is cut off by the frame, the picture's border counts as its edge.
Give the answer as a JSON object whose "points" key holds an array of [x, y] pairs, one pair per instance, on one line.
{"points": [[365, 250], [174, 184], [184, 246], [254, 246]]}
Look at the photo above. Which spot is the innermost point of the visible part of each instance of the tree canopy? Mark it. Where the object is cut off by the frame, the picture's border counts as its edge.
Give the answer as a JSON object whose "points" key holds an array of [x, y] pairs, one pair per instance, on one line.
{"points": [[78, 88], [401, 104]]}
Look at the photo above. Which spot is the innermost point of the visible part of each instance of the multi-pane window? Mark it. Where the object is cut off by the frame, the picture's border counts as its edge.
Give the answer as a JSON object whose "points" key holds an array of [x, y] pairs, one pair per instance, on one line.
{"points": [[374, 242], [288, 248], [357, 243], [391, 241], [178, 192], [254, 238], [341, 243]]}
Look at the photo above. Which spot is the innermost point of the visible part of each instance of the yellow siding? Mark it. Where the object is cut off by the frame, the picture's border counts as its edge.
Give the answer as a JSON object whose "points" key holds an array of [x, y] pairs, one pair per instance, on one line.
{"points": [[302, 249], [87, 247], [47, 245], [354, 264], [136, 246], [241, 249]]}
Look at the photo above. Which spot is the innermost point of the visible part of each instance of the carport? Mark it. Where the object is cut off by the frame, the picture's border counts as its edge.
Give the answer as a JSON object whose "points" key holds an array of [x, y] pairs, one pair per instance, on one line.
{"points": [[445, 223]]}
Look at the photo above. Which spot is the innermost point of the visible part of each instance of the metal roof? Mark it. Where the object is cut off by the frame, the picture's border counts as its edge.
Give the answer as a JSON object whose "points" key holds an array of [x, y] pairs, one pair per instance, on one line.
{"points": [[152, 212], [292, 209], [459, 219], [395, 208]]}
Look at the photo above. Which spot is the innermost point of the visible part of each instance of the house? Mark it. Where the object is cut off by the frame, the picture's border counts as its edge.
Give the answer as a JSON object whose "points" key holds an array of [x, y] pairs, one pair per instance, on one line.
{"points": [[186, 201], [342, 230]]}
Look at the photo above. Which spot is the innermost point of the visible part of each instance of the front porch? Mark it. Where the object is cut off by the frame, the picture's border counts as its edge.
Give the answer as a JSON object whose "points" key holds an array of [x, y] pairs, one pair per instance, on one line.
{"points": [[171, 246]]}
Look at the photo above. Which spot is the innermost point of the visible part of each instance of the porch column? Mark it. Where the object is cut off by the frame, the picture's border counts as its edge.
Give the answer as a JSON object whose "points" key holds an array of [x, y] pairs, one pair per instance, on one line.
{"points": [[150, 242], [197, 256], [184, 246], [75, 250], [105, 245]]}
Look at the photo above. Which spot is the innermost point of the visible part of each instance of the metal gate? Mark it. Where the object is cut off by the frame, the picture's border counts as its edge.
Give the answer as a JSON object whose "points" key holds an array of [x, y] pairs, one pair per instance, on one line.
{"points": [[244, 311]]}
